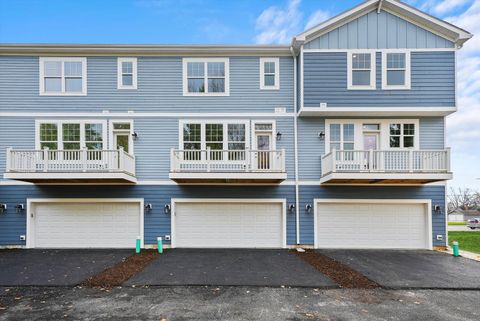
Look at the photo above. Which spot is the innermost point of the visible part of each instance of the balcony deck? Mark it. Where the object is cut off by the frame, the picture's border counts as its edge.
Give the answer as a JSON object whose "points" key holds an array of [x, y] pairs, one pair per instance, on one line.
{"points": [[227, 166], [394, 167], [70, 166]]}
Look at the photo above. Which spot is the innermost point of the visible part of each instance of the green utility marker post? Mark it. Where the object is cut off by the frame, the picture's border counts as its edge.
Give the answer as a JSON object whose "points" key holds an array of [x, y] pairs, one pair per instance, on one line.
{"points": [[137, 245], [455, 248], [160, 245]]}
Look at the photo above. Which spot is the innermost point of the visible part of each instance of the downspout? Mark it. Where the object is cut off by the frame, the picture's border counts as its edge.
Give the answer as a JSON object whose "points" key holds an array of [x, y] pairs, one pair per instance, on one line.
{"points": [[295, 147]]}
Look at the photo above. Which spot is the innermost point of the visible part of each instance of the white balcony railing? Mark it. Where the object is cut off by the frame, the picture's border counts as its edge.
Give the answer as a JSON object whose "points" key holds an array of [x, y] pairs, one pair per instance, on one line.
{"points": [[383, 161], [227, 161], [70, 161]]}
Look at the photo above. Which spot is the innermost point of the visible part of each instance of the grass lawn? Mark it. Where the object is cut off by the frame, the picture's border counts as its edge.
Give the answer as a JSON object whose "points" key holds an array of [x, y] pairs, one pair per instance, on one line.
{"points": [[467, 241], [456, 223]]}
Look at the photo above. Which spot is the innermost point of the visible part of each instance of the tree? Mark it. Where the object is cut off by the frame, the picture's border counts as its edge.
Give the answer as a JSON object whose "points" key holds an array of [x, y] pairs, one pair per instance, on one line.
{"points": [[463, 199]]}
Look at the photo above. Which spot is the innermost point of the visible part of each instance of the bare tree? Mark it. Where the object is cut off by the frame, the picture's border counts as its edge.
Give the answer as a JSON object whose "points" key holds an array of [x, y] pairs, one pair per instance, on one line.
{"points": [[463, 199]]}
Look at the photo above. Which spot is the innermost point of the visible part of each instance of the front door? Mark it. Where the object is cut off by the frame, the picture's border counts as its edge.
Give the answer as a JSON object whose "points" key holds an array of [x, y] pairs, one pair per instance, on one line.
{"points": [[370, 144], [122, 140], [263, 147]]}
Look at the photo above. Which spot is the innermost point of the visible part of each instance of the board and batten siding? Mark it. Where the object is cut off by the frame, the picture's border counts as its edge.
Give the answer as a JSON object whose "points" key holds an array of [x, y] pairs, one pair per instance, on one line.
{"points": [[312, 148], [378, 31], [309, 193], [432, 82], [156, 222], [156, 136], [159, 88]]}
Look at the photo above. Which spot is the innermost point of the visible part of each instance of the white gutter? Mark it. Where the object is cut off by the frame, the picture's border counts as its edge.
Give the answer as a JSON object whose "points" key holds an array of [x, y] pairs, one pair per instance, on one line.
{"points": [[295, 143]]}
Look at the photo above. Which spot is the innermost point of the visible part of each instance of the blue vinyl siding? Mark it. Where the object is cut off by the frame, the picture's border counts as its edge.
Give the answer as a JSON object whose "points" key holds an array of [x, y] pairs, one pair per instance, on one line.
{"points": [[156, 136], [309, 193], [311, 147], [384, 30], [159, 88], [157, 223], [432, 82]]}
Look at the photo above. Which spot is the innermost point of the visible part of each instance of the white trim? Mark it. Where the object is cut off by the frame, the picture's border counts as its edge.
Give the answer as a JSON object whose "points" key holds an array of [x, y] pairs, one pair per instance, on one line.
{"points": [[376, 111], [112, 131], [407, 84], [229, 176], [41, 62], [71, 176], [82, 123], [276, 61], [302, 69], [384, 176], [313, 50], [31, 201], [120, 61], [426, 202], [384, 132], [185, 62], [273, 132], [282, 201], [295, 152], [144, 114], [373, 78]]}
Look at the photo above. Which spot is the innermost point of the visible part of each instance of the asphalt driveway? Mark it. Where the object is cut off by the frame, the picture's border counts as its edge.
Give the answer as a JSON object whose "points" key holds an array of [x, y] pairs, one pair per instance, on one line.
{"points": [[54, 267], [398, 269], [230, 267]]}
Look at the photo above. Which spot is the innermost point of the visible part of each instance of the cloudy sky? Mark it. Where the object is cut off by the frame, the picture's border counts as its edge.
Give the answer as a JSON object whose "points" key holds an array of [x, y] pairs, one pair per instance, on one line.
{"points": [[243, 21]]}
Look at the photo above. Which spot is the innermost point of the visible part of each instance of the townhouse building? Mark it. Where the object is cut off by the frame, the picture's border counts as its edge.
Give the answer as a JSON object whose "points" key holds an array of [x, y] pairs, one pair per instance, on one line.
{"points": [[334, 141]]}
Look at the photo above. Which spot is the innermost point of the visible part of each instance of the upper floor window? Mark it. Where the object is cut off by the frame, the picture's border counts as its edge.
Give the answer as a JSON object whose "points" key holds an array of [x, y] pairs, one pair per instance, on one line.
{"points": [[402, 135], [206, 77], [63, 76], [269, 73], [127, 73], [396, 70], [361, 70]]}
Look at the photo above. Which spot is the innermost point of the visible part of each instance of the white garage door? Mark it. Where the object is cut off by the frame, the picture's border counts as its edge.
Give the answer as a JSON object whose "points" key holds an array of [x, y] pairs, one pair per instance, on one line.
{"points": [[86, 225], [228, 225], [369, 225]]}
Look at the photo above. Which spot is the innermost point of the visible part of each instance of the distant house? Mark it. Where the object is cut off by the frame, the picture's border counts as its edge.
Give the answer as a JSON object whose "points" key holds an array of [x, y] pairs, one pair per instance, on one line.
{"points": [[463, 216]]}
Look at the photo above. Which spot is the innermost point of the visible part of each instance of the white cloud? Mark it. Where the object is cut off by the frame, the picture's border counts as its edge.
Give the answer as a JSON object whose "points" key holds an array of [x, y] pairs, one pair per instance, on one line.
{"points": [[445, 6], [316, 18]]}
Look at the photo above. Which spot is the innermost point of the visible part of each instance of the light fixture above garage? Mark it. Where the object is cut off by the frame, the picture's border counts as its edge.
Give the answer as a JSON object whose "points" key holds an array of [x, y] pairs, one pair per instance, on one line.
{"points": [[167, 208], [148, 207]]}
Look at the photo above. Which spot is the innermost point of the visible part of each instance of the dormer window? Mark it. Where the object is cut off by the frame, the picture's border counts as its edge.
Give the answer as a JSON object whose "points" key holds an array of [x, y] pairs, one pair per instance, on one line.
{"points": [[269, 74], [65, 76], [361, 70]]}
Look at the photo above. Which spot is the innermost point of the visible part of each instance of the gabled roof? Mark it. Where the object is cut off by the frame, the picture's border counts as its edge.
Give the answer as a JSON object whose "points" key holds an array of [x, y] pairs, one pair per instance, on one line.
{"points": [[437, 26]]}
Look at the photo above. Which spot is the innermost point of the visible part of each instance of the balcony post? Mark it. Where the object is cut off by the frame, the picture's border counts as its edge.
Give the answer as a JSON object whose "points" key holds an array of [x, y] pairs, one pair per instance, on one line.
{"points": [[9, 159], [45, 159], [370, 161], [207, 159], [84, 158], [121, 159], [334, 160], [283, 160], [447, 161], [410, 160], [173, 165]]}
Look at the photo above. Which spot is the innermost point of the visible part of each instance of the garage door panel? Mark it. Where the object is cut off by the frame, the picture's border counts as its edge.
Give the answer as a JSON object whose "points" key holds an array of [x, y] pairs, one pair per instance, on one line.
{"points": [[363, 225], [223, 225], [86, 225]]}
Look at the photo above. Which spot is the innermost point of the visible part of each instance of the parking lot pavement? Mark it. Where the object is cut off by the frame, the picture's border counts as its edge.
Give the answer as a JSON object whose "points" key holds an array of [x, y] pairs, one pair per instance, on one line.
{"points": [[54, 267], [235, 303], [411, 269]]}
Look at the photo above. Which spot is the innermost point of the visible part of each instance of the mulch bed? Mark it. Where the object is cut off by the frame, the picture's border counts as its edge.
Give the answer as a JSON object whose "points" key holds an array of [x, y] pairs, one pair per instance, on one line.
{"points": [[119, 273], [340, 273]]}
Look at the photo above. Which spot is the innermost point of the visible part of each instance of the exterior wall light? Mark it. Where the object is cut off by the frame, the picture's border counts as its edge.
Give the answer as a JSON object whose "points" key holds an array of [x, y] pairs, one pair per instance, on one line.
{"points": [[308, 208], [19, 208], [437, 209], [279, 136], [321, 135], [3, 208], [148, 207], [167, 208], [291, 208], [135, 136]]}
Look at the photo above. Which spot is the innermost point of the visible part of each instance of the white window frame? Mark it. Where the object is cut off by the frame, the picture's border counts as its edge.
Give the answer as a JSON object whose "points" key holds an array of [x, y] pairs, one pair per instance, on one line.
{"points": [[59, 123], [203, 122], [276, 61], [111, 131], [408, 76], [384, 131], [373, 80], [41, 64], [120, 61], [273, 132], [185, 62], [402, 135]]}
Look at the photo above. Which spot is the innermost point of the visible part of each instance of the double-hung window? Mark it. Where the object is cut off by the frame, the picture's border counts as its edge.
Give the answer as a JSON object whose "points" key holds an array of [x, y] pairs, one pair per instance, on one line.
{"points": [[269, 73], [396, 70], [206, 77], [361, 70], [402, 135], [342, 136], [71, 135], [65, 76], [127, 73]]}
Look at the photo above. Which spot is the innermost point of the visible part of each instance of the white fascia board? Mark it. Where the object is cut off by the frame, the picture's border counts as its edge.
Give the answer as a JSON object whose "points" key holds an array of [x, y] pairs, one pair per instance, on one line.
{"points": [[376, 111], [69, 176], [385, 176]]}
